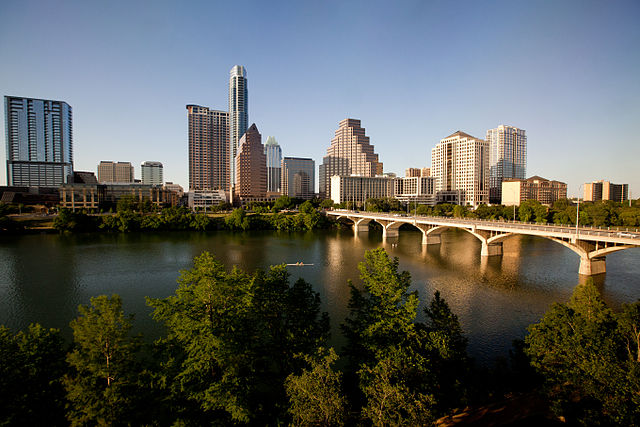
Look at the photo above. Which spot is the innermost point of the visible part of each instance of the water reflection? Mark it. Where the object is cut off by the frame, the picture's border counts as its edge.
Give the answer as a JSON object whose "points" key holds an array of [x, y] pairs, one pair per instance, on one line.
{"points": [[43, 278]]}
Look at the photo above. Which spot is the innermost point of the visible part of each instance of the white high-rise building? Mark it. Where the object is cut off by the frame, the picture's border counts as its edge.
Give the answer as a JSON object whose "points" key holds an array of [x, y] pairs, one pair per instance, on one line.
{"points": [[238, 114], [151, 173], [460, 164], [507, 158]]}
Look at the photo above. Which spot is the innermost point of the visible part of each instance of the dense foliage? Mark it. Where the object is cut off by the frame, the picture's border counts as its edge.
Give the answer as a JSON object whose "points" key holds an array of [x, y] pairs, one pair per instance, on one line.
{"points": [[251, 348]]}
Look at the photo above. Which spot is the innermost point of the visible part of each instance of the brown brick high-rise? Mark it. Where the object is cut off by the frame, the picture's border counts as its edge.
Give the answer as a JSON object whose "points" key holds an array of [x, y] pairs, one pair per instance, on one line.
{"points": [[251, 166]]}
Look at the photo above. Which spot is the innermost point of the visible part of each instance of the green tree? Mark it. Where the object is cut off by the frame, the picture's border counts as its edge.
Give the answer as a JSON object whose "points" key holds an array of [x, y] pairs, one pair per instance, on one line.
{"points": [[233, 337], [584, 352], [128, 202], [102, 386], [283, 202], [315, 395], [307, 207], [31, 369], [237, 220], [326, 204]]}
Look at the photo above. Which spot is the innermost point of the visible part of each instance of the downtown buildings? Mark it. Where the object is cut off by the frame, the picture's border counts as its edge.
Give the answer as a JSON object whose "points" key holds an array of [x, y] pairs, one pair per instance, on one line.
{"points": [[238, 114], [350, 153], [460, 164], [507, 158], [39, 139], [298, 177], [152, 173], [274, 165], [208, 148], [605, 190], [115, 172]]}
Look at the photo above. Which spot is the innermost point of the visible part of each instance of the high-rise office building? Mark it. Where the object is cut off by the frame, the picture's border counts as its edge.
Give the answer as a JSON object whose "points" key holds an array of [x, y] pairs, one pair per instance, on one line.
{"points": [[460, 164], [274, 159], [238, 113], [112, 172], [298, 177], [605, 190], [350, 153], [208, 148], [39, 142], [151, 173], [251, 166], [507, 158]]}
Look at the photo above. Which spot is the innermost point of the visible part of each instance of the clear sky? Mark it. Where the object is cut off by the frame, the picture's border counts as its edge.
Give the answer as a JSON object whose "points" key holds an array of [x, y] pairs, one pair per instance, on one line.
{"points": [[568, 72]]}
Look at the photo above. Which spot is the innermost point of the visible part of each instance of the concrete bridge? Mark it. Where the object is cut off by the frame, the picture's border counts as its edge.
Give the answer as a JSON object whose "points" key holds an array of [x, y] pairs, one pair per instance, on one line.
{"points": [[591, 244]]}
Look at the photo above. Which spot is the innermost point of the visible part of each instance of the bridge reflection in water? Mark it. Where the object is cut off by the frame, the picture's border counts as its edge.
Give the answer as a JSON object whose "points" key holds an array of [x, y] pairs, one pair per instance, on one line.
{"points": [[591, 244]]}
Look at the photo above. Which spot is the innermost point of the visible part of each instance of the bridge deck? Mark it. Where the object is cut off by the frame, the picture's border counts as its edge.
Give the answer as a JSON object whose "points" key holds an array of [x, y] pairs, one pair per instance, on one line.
{"points": [[621, 237]]}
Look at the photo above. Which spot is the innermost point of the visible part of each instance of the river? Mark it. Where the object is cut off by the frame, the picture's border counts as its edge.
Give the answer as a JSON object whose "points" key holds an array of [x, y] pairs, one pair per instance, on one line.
{"points": [[43, 278]]}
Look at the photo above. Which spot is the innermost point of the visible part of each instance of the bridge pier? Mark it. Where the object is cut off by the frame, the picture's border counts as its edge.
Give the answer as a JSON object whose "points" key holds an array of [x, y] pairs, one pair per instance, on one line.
{"points": [[389, 232], [592, 266], [428, 238], [491, 249]]}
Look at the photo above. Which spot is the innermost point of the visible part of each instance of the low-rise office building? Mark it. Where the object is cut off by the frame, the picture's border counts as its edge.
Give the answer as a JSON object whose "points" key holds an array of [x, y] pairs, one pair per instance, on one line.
{"points": [[516, 191], [357, 189], [94, 197], [605, 190]]}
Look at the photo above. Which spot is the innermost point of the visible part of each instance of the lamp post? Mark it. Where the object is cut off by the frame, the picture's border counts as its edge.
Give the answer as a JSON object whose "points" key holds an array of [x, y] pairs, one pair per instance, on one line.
{"points": [[578, 213]]}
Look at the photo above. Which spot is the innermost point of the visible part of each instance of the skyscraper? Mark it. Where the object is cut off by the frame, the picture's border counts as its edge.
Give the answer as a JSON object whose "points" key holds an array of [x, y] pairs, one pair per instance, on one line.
{"points": [[251, 166], [238, 113], [274, 160], [151, 173], [349, 154], [460, 164], [208, 149], [507, 158], [298, 177], [39, 141]]}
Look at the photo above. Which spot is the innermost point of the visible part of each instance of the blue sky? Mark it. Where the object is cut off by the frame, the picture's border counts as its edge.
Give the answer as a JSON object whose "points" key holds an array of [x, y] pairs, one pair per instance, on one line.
{"points": [[413, 71]]}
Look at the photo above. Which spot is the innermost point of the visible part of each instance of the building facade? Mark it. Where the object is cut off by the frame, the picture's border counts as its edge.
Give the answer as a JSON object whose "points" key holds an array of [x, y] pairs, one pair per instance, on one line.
{"points": [[151, 173], [298, 177], [274, 165], [507, 158], [209, 165], [39, 141], [238, 114], [251, 166], [460, 164], [417, 172], [350, 153], [115, 172], [106, 196], [357, 189], [516, 191], [604, 190], [418, 189]]}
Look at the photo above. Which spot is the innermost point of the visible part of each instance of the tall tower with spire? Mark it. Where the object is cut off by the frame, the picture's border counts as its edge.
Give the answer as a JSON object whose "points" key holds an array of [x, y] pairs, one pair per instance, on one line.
{"points": [[238, 114]]}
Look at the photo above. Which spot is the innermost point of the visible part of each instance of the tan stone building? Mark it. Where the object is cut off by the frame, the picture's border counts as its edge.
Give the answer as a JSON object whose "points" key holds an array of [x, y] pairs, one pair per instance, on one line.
{"points": [[604, 190], [460, 164], [350, 153], [251, 166], [417, 172], [110, 172], [516, 191], [208, 148]]}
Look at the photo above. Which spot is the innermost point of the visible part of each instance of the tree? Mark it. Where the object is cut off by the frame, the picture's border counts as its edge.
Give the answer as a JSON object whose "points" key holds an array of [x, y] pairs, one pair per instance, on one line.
{"points": [[233, 337], [31, 370], [128, 202], [315, 395], [326, 204], [585, 354], [102, 387], [307, 207], [237, 220]]}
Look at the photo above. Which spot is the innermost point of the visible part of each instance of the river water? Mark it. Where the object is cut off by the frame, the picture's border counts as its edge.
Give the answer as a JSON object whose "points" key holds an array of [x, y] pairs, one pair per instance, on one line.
{"points": [[43, 278]]}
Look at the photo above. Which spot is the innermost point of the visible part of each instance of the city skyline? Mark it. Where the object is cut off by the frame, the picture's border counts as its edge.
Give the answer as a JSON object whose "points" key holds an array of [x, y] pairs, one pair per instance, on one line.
{"points": [[570, 68]]}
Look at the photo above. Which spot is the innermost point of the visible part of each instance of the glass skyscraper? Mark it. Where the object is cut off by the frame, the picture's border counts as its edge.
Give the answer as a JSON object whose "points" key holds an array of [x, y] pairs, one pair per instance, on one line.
{"points": [[507, 158], [274, 159], [39, 142], [238, 113]]}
